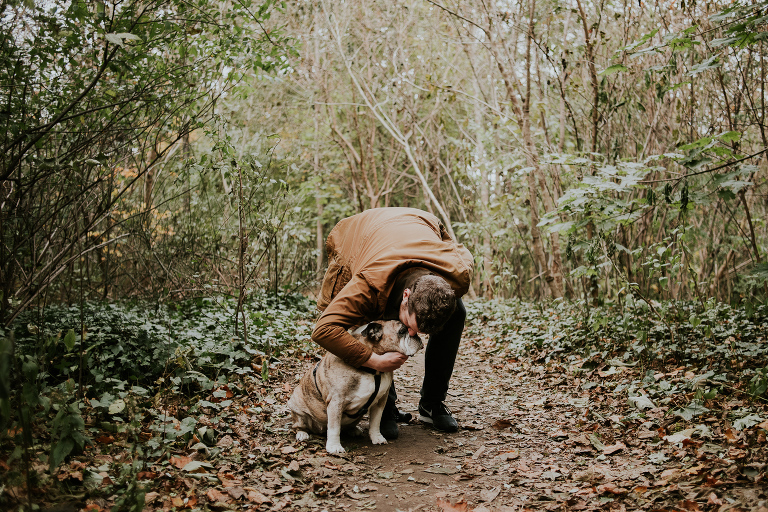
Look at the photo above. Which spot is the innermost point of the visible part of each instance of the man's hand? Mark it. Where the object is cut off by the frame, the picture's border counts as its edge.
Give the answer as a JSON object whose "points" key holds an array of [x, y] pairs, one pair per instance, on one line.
{"points": [[387, 362]]}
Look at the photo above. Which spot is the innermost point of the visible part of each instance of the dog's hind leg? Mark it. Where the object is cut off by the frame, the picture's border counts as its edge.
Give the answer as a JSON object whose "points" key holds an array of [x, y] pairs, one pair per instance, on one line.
{"points": [[374, 425], [334, 411], [301, 425]]}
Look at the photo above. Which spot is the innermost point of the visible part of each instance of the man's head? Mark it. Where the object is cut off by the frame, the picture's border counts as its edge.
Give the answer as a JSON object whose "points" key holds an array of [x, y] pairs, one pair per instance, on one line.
{"points": [[427, 305]]}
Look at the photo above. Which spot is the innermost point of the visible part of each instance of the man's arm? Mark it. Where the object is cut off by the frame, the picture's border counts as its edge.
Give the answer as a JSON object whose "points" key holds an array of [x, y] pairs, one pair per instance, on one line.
{"points": [[353, 306]]}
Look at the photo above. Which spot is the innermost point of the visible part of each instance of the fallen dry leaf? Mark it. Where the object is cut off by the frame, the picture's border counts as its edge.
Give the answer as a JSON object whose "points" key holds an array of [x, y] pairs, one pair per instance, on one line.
{"points": [[215, 495], [714, 500], [502, 424], [229, 480], [472, 425], [690, 505], [712, 481], [589, 475], [447, 506], [236, 492], [74, 475], [580, 439], [180, 461], [614, 448], [488, 495], [255, 496], [509, 455], [610, 488], [671, 474]]}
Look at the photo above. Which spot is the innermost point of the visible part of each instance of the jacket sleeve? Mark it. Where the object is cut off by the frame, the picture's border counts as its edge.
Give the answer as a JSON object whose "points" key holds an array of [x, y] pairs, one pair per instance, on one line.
{"points": [[353, 306]]}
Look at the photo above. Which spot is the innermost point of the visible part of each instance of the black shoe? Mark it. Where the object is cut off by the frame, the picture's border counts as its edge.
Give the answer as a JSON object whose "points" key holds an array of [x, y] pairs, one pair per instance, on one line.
{"points": [[388, 427], [438, 416], [403, 417], [389, 421]]}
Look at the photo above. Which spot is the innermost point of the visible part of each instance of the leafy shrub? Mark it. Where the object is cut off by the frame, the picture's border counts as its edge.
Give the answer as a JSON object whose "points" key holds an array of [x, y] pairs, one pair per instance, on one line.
{"points": [[717, 336], [140, 342]]}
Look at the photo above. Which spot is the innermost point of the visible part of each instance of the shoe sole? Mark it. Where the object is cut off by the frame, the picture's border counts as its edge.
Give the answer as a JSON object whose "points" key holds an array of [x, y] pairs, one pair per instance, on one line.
{"points": [[429, 420]]}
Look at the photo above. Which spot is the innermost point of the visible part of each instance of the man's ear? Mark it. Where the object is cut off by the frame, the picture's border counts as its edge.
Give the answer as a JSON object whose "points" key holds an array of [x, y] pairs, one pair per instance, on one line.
{"points": [[374, 331]]}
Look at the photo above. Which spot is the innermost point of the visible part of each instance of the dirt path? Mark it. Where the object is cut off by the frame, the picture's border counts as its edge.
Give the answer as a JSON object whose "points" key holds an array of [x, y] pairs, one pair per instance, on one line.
{"points": [[530, 439], [534, 436]]}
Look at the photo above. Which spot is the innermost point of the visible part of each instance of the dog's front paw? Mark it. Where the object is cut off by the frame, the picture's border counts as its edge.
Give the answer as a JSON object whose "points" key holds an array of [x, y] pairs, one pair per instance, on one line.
{"points": [[378, 439], [334, 448], [301, 436]]}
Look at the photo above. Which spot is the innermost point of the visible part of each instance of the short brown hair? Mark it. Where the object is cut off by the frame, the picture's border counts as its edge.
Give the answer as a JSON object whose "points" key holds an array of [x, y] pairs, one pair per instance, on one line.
{"points": [[433, 301]]}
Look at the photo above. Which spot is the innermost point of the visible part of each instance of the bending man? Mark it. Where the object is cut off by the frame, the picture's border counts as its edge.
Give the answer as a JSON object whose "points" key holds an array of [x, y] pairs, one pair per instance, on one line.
{"points": [[397, 263]]}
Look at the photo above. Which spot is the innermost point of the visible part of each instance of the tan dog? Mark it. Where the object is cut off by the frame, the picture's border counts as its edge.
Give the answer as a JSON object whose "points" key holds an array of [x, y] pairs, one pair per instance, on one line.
{"points": [[334, 395]]}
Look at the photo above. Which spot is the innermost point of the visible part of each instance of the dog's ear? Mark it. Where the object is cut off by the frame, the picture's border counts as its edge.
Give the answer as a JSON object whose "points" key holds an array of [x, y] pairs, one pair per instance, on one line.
{"points": [[374, 331]]}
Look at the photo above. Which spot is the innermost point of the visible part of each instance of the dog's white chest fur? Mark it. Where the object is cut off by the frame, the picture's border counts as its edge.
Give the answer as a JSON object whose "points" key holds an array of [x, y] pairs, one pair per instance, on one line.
{"points": [[367, 387]]}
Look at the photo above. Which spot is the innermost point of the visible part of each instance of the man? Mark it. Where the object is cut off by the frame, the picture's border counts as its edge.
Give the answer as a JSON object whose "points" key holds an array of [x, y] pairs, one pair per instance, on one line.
{"points": [[397, 263]]}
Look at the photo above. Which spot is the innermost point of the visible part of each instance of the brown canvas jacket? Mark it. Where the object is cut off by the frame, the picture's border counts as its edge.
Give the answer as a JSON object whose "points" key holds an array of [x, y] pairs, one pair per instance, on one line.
{"points": [[366, 252]]}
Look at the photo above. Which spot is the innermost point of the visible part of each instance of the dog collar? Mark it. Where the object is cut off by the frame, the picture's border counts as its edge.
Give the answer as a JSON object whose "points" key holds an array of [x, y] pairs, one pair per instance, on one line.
{"points": [[314, 375]]}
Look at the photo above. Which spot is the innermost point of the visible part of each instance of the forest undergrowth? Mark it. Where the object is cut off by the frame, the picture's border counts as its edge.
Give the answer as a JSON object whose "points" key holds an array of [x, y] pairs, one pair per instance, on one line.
{"points": [[137, 406]]}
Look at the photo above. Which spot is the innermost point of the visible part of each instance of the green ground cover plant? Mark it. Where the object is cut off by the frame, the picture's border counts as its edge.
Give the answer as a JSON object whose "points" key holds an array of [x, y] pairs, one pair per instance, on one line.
{"points": [[71, 373], [150, 381]]}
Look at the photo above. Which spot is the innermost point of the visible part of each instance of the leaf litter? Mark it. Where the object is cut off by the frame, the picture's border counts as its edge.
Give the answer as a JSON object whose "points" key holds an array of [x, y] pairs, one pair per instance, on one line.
{"points": [[537, 434]]}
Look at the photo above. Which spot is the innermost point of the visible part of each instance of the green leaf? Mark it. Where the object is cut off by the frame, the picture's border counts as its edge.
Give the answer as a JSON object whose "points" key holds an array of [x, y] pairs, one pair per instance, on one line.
{"points": [[728, 137], [695, 408], [702, 142], [61, 450], [747, 421], [69, 340], [114, 39], [710, 63], [117, 406], [264, 370], [641, 402], [616, 68], [726, 194]]}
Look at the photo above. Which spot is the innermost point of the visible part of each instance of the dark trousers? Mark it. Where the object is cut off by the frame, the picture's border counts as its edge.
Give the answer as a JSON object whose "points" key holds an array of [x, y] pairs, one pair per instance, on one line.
{"points": [[438, 360]]}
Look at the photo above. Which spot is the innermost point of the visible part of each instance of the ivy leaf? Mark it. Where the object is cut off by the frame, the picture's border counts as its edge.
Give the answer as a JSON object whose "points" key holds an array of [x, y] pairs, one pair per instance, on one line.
{"points": [[69, 340], [747, 421], [117, 406], [695, 408], [641, 402]]}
